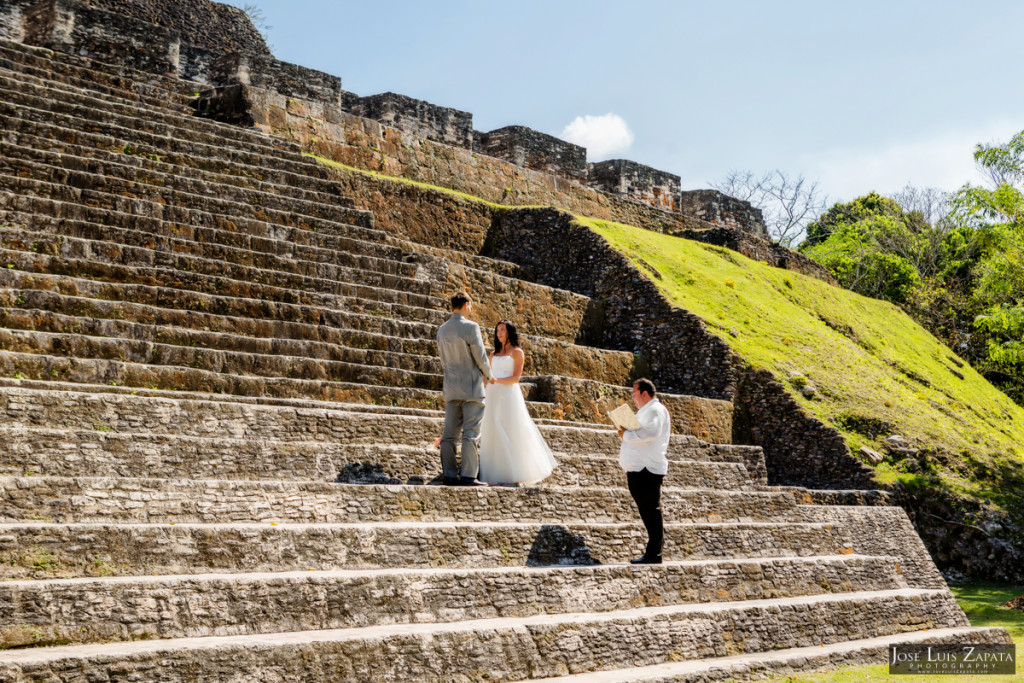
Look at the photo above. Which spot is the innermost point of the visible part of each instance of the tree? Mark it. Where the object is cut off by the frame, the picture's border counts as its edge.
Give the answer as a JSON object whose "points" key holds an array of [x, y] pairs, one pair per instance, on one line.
{"points": [[1003, 202], [259, 20], [993, 217], [931, 202], [860, 252], [788, 203]]}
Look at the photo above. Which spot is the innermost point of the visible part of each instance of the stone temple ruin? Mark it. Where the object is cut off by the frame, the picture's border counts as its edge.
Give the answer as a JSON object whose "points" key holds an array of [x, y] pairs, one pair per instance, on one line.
{"points": [[220, 391]]}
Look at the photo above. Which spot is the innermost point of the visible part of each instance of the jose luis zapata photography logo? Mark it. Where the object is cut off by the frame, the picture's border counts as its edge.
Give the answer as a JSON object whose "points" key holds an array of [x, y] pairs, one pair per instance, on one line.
{"points": [[952, 659]]}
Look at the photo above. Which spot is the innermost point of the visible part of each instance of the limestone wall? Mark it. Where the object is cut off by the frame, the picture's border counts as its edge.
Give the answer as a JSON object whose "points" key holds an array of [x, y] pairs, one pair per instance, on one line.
{"points": [[69, 26], [11, 19], [723, 210], [333, 133], [644, 183], [213, 26], [422, 119], [530, 148]]}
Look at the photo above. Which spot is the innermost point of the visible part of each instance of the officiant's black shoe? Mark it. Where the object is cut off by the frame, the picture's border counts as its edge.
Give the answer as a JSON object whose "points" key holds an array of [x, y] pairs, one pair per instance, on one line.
{"points": [[471, 481], [646, 560], [451, 481]]}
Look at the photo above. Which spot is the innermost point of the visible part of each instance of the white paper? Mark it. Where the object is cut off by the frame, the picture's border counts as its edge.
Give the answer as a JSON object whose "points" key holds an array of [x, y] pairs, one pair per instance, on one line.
{"points": [[624, 417]]}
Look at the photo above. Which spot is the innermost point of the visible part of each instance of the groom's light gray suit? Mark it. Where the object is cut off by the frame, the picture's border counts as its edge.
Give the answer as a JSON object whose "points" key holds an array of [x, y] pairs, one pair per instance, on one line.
{"points": [[464, 360]]}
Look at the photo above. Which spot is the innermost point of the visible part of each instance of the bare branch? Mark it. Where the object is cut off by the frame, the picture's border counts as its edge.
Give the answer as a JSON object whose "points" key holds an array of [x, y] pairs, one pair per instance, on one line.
{"points": [[787, 203]]}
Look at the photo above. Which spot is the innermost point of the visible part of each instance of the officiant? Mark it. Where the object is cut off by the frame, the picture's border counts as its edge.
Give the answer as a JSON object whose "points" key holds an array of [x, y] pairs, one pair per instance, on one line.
{"points": [[644, 456]]}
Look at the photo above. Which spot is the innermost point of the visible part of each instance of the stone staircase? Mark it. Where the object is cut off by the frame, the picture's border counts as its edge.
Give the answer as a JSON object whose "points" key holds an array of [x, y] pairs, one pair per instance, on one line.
{"points": [[219, 391]]}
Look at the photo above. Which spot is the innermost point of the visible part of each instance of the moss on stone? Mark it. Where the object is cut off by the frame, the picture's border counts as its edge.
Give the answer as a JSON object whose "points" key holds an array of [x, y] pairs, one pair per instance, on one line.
{"points": [[866, 357]]}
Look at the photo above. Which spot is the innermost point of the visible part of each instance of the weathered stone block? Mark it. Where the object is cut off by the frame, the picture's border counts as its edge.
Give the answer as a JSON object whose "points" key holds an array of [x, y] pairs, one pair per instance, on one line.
{"points": [[637, 181], [69, 26], [12, 19], [431, 121], [532, 149], [267, 72], [721, 209], [212, 26]]}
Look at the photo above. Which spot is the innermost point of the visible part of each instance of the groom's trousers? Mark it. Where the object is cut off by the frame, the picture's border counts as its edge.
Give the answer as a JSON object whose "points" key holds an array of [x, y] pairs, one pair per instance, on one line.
{"points": [[465, 416], [645, 487]]}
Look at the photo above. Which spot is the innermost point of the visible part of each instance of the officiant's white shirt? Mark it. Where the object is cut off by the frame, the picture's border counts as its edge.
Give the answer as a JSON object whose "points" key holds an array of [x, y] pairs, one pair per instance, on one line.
{"points": [[647, 446]]}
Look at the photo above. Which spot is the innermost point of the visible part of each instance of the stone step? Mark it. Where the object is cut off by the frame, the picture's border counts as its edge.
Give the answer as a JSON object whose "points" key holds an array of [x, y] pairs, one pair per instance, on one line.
{"points": [[34, 309], [881, 530], [116, 247], [772, 665], [122, 500], [509, 647], [92, 71], [397, 464], [40, 549], [332, 294], [110, 150], [118, 153], [40, 613], [167, 306], [107, 164], [173, 203], [55, 98], [101, 452], [84, 370], [211, 243], [292, 171], [240, 363], [34, 320], [71, 81], [120, 409], [222, 141], [24, 209], [21, 192]]}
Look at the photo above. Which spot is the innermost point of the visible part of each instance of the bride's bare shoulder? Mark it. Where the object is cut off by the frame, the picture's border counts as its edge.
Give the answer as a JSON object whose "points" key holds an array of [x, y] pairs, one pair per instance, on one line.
{"points": [[517, 352]]}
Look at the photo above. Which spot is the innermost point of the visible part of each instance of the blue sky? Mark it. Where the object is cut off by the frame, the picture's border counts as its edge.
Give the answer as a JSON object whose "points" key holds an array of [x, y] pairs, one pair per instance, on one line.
{"points": [[860, 96]]}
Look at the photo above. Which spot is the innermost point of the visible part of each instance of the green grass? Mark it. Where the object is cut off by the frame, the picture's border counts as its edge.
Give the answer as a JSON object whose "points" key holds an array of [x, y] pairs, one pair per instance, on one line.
{"points": [[867, 359], [981, 604], [426, 186]]}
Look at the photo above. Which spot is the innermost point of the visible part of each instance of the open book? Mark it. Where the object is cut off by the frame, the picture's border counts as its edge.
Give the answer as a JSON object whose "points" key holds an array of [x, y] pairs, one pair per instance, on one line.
{"points": [[625, 418]]}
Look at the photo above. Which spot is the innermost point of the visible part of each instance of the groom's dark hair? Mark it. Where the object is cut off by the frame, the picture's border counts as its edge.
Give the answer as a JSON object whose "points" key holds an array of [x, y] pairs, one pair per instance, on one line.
{"points": [[645, 386], [460, 299]]}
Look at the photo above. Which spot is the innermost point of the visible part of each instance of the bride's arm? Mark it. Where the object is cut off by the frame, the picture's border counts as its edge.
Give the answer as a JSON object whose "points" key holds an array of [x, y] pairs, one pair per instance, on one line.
{"points": [[517, 372]]}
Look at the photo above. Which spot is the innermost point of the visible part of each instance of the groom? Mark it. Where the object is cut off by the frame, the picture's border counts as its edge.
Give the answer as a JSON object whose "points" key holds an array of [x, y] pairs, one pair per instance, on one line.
{"points": [[464, 360]]}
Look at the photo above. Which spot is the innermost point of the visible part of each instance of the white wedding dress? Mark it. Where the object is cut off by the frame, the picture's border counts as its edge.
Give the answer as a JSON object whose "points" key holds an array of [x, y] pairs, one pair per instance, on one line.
{"points": [[511, 447]]}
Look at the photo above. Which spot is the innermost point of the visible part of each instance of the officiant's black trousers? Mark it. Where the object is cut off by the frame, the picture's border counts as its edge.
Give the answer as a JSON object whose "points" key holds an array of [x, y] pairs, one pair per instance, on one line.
{"points": [[645, 487]]}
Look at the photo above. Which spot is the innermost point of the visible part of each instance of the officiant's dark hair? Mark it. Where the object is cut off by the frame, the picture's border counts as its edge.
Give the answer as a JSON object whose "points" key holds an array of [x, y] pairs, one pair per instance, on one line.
{"points": [[644, 386], [459, 299], [513, 336]]}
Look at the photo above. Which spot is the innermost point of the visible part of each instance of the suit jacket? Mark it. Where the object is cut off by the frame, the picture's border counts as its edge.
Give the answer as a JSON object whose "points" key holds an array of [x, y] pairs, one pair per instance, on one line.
{"points": [[463, 358]]}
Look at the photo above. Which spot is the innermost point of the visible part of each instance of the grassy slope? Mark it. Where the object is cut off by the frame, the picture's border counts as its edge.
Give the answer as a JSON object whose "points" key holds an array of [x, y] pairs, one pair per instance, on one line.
{"points": [[865, 357], [981, 604]]}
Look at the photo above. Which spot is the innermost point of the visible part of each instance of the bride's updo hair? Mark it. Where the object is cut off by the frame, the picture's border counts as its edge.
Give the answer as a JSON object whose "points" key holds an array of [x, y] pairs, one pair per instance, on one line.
{"points": [[513, 336]]}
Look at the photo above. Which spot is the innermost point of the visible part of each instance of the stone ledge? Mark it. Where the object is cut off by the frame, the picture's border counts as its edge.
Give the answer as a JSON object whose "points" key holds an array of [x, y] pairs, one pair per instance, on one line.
{"points": [[211, 605], [530, 646], [122, 500], [40, 550]]}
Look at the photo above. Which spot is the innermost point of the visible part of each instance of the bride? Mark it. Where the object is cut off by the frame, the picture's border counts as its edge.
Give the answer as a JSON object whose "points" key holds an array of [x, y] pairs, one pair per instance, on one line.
{"points": [[512, 451]]}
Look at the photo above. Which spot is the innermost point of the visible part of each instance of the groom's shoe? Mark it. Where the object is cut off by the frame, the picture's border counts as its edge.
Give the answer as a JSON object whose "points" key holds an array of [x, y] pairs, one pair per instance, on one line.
{"points": [[471, 481], [646, 560], [451, 481]]}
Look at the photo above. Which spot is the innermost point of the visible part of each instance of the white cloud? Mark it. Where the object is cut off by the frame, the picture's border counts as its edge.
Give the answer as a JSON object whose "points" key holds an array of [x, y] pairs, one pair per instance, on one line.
{"points": [[601, 135], [944, 161]]}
